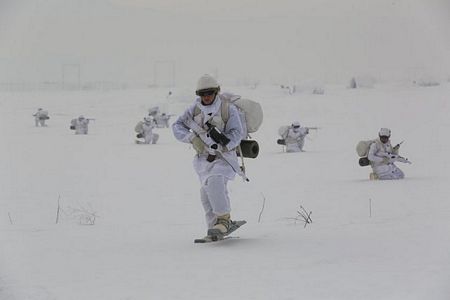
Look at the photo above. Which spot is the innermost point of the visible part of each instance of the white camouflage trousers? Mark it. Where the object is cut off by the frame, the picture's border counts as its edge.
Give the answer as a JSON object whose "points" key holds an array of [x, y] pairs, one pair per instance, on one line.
{"points": [[388, 172], [151, 138], [214, 197], [39, 122], [297, 146]]}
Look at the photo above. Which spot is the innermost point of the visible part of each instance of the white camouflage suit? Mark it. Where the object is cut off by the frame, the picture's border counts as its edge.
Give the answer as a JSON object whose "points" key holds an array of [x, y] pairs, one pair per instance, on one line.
{"points": [[295, 139], [39, 117], [81, 125], [146, 129], [162, 120], [214, 175], [381, 166]]}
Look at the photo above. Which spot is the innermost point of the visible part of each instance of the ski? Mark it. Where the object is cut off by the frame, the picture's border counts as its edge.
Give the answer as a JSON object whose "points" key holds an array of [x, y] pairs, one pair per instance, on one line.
{"points": [[215, 237]]}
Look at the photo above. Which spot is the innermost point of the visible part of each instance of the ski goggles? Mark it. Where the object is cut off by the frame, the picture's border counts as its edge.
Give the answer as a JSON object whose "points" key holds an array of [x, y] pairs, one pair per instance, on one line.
{"points": [[208, 92], [384, 138]]}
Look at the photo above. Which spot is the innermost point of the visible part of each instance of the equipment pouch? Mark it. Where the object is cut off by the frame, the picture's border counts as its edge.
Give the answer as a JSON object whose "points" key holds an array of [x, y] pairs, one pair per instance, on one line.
{"points": [[364, 161], [249, 148], [281, 142]]}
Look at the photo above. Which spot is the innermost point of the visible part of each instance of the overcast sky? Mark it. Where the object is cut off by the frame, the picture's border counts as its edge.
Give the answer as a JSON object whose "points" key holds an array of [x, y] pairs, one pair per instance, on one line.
{"points": [[273, 41]]}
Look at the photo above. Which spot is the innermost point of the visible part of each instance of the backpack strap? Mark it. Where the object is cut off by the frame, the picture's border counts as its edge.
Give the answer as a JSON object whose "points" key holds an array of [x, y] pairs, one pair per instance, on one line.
{"points": [[197, 111], [286, 133], [225, 110]]}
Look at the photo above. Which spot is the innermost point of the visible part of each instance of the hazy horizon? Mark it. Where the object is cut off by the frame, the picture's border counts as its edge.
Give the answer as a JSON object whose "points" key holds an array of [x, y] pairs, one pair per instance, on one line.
{"points": [[287, 41]]}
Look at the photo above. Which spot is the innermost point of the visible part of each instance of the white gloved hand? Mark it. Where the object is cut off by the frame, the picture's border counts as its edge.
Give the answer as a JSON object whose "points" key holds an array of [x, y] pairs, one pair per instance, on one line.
{"points": [[203, 142], [198, 144]]}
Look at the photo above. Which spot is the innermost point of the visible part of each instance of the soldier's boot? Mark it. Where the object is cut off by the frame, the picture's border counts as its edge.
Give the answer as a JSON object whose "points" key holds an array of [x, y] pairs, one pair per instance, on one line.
{"points": [[221, 227]]}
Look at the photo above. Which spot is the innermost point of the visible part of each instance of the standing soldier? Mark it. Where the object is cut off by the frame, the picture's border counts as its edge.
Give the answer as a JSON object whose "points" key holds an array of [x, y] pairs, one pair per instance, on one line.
{"points": [[40, 117], [216, 161]]}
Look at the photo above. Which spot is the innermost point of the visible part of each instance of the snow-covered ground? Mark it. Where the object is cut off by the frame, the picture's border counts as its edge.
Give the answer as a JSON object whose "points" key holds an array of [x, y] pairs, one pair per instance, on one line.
{"points": [[368, 239]]}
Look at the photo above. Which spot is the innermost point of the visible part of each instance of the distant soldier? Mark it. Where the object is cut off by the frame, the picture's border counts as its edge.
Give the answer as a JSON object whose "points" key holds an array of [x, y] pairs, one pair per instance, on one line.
{"points": [[144, 130], [293, 137], [80, 125], [40, 117]]}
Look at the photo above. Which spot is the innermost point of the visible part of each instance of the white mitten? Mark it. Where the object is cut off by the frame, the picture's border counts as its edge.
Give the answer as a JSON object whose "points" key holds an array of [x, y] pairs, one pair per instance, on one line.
{"points": [[198, 144]]}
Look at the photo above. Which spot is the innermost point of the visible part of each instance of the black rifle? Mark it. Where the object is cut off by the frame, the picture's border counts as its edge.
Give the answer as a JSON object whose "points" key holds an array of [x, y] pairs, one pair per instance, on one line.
{"points": [[216, 135]]}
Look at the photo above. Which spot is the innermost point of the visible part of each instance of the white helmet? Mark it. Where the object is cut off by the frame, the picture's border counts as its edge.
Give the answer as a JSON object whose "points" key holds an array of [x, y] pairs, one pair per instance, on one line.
{"points": [[153, 110], [296, 124], [384, 132], [81, 117], [207, 82]]}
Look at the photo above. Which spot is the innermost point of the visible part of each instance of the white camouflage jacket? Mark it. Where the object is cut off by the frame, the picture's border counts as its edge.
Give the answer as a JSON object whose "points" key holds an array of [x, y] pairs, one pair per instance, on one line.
{"points": [[226, 163], [378, 152]]}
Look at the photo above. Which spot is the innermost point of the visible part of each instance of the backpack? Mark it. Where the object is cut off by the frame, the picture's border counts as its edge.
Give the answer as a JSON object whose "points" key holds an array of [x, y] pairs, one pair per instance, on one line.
{"points": [[138, 128], [73, 123], [362, 148], [252, 113], [283, 131]]}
